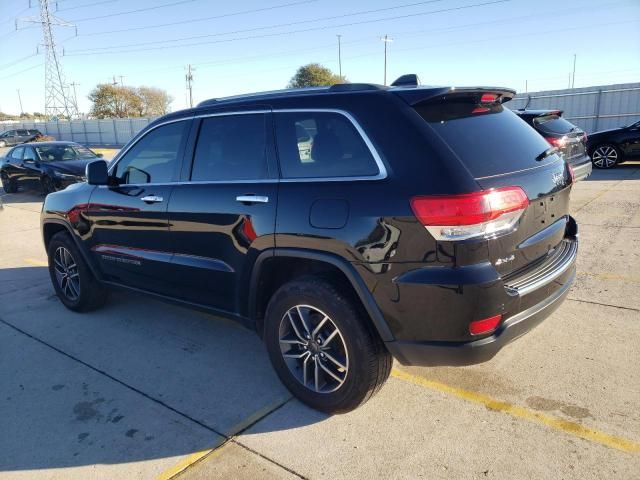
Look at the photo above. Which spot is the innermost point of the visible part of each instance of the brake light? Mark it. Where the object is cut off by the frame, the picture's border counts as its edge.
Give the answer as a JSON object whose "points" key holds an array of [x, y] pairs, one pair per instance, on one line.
{"points": [[484, 326], [556, 142], [585, 137], [471, 215], [488, 98]]}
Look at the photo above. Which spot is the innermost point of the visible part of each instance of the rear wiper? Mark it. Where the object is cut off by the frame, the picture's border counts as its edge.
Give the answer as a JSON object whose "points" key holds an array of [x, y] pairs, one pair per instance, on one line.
{"points": [[549, 151]]}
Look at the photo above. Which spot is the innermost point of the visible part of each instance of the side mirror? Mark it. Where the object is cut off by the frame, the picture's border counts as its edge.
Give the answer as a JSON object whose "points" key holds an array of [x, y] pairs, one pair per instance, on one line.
{"points": [[29, 161], [96, 173], [99, 155]]}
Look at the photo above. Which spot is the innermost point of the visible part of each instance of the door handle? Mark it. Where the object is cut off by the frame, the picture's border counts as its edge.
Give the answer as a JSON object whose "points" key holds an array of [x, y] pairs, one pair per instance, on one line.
{"points": [[252, 199], [151, 199]]}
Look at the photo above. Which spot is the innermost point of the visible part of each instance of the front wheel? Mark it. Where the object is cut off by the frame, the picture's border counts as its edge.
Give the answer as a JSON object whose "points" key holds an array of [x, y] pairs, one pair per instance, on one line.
{"points": [[48, 185], [605, 156], [72, 279], [323, 346]]}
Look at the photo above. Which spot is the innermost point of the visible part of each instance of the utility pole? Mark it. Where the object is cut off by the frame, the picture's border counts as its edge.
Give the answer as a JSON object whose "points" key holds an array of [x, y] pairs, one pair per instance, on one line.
{"points": [[121, 77], [56, 100], [114, 83], [20, 100], [573, 76], [339, 56], [189, 79], [386, 39], [526, 86]]}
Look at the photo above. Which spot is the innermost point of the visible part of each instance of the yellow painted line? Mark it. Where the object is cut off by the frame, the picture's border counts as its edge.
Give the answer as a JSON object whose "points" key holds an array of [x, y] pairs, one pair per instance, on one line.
{"points": [[189, 460], [610, 276], [217, 450], [565, 426], [36, 262]]}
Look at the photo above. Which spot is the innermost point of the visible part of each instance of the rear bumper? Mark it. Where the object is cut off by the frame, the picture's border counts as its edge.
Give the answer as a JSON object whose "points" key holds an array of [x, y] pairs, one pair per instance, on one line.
{"points": [[468, 353], [582, 168]]}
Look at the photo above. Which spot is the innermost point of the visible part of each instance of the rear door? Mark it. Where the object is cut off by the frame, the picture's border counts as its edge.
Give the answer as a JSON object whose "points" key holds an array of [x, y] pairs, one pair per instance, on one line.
{"points": [[128, 232], [499, 150], [13, 166], [222, 216]]}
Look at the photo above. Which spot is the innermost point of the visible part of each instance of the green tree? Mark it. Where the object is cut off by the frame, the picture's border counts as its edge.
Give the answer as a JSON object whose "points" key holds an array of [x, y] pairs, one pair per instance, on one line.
{"points": [[314, 75], [115, 101]]}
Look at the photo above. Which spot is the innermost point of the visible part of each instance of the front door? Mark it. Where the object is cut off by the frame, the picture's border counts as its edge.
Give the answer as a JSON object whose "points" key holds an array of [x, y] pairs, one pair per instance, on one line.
{"points": [[129, 230], [222, 216]]}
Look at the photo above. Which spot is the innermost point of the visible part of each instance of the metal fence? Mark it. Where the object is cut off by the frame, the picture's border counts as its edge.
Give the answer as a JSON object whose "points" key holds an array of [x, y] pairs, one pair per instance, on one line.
{"points": [[112, 132], [590, 108]]}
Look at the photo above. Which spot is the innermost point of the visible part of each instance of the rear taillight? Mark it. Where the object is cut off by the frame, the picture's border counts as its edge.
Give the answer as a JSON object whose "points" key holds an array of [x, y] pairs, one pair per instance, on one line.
{"points": [[557, 142], [484, 326], [572, 173], [471, 215]]}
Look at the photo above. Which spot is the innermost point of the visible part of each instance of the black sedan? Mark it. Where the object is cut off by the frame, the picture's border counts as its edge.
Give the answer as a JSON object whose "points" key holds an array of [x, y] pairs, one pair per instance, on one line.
{"points": [[48, 166], [610, 147]]}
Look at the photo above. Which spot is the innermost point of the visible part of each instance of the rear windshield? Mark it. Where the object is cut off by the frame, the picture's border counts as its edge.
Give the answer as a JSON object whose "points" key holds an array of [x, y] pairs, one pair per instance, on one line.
{"points": [[553, 124], [489, 139]]}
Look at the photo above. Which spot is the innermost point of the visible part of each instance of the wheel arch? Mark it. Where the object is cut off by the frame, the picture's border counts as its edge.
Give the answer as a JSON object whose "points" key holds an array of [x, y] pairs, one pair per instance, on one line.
{"points": [[297, 262], [52, 227]]}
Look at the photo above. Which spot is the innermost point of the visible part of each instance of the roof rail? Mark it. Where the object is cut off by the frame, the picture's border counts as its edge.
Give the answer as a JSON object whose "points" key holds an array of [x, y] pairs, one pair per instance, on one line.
{"points": [[286, 91], [355, 87], [408, 80]]}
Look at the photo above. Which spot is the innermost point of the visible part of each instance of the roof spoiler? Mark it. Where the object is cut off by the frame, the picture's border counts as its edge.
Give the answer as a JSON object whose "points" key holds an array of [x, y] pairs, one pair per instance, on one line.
{"points": [[414, 96]]}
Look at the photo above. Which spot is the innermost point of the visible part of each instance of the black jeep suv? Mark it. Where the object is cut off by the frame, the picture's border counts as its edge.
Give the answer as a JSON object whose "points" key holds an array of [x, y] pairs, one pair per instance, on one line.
{"points": [[347, 225]]}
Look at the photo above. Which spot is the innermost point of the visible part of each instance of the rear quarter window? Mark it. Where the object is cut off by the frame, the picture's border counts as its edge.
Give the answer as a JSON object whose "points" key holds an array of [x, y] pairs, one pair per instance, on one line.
{"points": [[321, 145], [489, 140]]}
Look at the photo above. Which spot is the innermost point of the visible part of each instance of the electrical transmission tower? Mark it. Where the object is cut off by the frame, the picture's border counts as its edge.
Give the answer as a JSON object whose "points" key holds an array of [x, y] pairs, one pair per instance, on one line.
{"points": [[57, 100]]}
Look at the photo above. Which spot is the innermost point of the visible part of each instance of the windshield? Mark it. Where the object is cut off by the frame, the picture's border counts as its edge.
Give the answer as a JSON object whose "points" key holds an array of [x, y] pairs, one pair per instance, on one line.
{"points": [[60, 153]]}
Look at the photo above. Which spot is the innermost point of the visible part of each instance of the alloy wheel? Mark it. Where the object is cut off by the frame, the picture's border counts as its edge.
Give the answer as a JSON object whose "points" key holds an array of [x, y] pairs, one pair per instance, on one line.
{"points": [[313, 349], [67, 276], [605, 156]]}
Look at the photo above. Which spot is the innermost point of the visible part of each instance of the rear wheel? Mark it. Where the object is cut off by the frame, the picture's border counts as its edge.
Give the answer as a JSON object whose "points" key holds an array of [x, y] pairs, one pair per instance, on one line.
{"points": [[322, 346], [606, 156], [8, 185], [72, 279]]}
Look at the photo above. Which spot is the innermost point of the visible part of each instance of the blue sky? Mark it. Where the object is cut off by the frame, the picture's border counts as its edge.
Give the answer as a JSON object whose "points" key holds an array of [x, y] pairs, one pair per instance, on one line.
{"points": [[253, 45]]}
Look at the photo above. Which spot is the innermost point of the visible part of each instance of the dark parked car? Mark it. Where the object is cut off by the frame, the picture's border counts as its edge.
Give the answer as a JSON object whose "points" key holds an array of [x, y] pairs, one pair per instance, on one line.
{"points": [[15, 137], [570, 140], [427, 224], [48, 166], [610, 147]]}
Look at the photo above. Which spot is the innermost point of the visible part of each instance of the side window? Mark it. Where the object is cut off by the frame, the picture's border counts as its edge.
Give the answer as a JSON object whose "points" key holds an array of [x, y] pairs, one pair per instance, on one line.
{"points": [[231, 147], [321, 144], [17, 153], [29, 154], [155, 157], [23, 133]]}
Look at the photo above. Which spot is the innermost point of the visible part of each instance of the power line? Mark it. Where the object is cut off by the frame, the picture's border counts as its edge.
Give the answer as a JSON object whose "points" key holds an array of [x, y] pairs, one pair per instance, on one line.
{"points": [[117, 14], [21, 71], [255, 29], [203, 19], [15, 62], [93, 52], [85, 5]]}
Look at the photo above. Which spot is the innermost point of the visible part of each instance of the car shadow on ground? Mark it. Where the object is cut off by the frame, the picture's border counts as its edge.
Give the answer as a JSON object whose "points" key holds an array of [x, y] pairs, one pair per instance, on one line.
{"points": [[22, 196], [137, 380], [622, 171]]}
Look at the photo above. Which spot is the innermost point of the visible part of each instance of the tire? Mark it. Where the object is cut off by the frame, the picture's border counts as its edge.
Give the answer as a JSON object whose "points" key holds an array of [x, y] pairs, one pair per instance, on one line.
{"points": [[65, 261], [8, 185], [364, 362], [47, 185], [606, 156]]}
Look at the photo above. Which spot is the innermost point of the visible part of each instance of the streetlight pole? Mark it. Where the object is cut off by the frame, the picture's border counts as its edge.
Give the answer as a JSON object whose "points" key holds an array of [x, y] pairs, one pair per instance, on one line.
{"points": [[573, 76], [20, 100], [386, 39], [339, 56]]}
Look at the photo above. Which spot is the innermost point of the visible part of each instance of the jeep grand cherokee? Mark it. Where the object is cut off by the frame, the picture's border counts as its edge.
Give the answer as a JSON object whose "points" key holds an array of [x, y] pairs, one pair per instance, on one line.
{"points": [[426, 224]]}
